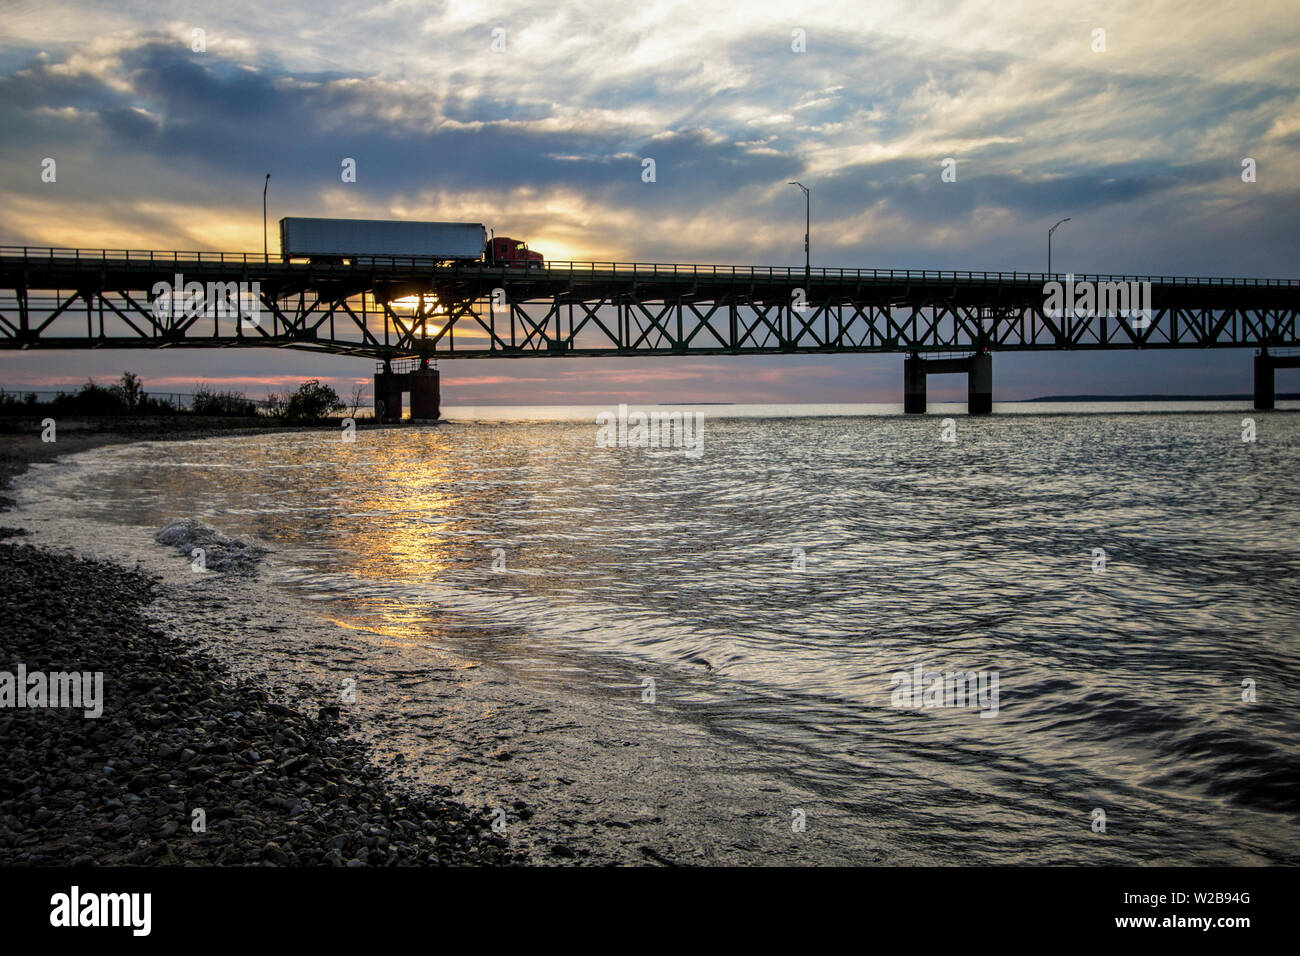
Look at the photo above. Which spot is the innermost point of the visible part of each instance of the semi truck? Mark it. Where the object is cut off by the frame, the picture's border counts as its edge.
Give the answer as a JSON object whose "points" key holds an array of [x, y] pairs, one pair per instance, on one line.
{"points": [[359, 240]]}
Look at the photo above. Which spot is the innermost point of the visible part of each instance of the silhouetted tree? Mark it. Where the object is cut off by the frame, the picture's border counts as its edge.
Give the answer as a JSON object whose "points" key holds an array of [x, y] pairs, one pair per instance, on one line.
{"points": [[312, 402], [131, 389]]}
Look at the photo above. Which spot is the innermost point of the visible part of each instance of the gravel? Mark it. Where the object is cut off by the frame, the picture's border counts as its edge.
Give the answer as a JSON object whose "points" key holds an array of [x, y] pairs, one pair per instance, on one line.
{"points": [[181, 742]]}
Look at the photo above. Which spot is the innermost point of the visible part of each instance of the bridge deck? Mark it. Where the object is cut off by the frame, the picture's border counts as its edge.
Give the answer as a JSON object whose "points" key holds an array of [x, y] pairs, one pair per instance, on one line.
{"points": [[385, 307]]}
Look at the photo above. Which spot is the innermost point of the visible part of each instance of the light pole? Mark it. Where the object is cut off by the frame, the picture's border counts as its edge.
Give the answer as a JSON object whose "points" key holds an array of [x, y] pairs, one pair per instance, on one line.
{"points": [[265, 185], [1049, 244], [807, 230]]}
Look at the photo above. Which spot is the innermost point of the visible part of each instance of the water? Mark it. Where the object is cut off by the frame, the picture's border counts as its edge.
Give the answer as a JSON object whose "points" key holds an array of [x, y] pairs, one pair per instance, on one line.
{"points": [[504, 592]]}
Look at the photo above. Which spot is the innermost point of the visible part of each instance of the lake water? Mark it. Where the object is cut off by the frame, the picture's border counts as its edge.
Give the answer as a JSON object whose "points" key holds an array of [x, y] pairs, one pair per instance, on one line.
{"points": [[708, 656]]}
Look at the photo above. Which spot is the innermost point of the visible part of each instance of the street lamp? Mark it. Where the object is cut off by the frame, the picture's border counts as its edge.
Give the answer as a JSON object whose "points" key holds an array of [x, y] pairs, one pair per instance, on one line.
{"points": [[265, 256], [807, 229], [1049, 243]]}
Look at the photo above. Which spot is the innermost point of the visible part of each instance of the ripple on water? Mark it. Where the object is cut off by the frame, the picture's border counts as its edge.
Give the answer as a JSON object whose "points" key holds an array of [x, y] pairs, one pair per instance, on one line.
{"points": [[775, 585]]}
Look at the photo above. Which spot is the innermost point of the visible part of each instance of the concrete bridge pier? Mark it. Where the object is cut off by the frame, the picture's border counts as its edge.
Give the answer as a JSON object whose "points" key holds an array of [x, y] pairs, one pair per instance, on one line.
{"points": [[424, 393], [979, 384], [1265, 365], [420, 380], [979, 381], [1264, 393], [914, 385], [388, 395]]}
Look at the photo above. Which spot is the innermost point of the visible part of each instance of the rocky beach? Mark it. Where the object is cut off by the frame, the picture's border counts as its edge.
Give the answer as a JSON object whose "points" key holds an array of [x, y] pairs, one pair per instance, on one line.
{"points": [[188, 764]]}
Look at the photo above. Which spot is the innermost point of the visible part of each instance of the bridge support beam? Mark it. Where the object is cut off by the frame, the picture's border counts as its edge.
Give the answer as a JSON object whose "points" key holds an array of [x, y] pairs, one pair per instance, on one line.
{"points": [[979, 381], [423, 384], [388, 399], [979, 385], [1264, 393], [914, 385], [424, 394], [1265, 366]]}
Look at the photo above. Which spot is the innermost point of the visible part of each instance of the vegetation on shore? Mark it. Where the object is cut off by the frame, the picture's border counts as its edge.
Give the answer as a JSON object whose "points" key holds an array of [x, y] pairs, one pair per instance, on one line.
{"points": [[312, 402]]}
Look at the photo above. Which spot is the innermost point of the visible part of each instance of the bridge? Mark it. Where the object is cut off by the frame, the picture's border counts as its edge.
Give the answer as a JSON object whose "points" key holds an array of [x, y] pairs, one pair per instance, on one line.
{"points": [[389, 308]]}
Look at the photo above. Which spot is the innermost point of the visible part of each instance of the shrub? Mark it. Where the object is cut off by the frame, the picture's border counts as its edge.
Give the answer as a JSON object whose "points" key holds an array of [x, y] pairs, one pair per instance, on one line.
{"points": [[13, 402], [312, 402], [92, 399], [208, 401], [131, 389], [125, 398]]}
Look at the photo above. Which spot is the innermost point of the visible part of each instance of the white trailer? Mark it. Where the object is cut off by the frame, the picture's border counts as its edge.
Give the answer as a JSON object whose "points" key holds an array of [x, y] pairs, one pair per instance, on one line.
{"points": [[334, 240]]}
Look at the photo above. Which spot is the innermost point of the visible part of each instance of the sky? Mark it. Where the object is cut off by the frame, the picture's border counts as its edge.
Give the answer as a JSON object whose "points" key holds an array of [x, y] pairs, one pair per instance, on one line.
{"points": [[1133, 119]]}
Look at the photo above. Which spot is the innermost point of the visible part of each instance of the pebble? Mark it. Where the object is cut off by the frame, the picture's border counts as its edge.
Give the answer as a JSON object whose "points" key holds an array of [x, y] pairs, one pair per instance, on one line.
{"points": [[179, 733]]}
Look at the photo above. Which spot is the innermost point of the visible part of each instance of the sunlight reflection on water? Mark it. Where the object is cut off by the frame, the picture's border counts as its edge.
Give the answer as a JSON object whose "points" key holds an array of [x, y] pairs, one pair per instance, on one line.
{"points": [[524, 543]]}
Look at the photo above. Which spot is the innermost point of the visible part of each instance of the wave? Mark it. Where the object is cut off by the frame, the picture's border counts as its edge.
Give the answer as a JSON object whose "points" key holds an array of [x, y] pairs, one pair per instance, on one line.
{"points": [[216, 551]]}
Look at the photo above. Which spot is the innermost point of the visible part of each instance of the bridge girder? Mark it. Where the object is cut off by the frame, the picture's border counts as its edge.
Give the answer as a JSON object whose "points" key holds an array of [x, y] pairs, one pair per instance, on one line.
{"points": [[392, 308]]}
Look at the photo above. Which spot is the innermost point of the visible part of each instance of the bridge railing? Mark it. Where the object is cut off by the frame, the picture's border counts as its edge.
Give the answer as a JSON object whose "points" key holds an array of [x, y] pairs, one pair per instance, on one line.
{"points": [[570, 269], [59, 254], [665, 270]]}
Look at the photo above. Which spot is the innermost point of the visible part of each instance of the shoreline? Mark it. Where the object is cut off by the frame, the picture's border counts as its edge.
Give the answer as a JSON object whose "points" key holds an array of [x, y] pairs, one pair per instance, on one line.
{"points": [[188, 764], [584, 771], [21, 445], [485, 706]]}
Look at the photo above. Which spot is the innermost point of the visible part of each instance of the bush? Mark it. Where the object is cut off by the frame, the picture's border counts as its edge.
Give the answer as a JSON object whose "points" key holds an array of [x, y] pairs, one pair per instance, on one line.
{"points": [[131, 389], [275, 403], [155, 406], [208, 401], [92, 399], [125, 398], [312, 402], [12, 403]]}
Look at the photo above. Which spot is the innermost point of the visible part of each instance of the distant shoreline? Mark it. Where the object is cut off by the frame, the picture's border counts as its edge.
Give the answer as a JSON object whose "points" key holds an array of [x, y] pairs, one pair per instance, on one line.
{"points": [[1244, 397]]}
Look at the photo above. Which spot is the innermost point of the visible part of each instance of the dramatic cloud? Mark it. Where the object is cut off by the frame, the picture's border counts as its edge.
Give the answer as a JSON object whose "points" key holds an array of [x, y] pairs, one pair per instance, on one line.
{"points": [[160, 146]]}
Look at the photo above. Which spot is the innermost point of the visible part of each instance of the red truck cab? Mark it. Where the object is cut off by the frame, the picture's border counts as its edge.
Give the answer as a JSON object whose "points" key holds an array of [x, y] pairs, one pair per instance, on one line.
{"points": [[504, 251]]}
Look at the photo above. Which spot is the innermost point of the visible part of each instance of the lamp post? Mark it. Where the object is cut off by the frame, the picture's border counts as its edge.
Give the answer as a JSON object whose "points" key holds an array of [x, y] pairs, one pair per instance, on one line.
{"points": [[1049, 243], [265, 185], [807, 230]]}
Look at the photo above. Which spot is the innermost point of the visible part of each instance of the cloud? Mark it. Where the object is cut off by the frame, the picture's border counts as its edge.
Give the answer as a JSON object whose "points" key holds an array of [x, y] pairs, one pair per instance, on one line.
{"points": [[159, 146]]}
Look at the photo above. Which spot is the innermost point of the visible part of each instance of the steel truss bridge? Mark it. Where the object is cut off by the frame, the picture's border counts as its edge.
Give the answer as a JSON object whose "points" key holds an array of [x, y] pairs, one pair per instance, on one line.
{"points": [[393, 307]]}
